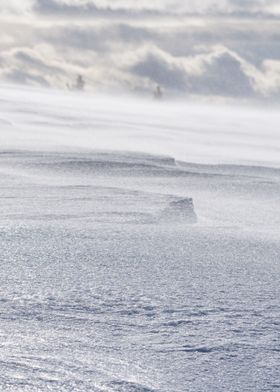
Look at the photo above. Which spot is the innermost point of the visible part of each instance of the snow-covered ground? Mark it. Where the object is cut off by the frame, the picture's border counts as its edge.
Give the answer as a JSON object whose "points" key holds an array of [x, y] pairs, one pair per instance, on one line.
{"points": [[94, 295], [37, 119]]}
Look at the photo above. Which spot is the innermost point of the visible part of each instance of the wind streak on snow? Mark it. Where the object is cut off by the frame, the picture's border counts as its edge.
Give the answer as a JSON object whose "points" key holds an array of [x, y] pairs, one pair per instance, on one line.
{"points": [[52, 120]]}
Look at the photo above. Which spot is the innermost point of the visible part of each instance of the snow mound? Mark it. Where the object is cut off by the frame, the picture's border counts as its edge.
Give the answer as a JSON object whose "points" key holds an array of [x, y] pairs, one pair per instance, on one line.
{"points": [[180, 211]]}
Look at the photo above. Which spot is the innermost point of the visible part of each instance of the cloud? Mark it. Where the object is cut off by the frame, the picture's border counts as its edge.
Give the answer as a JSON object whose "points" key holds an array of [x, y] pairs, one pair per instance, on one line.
{"points": [[100, 39], [218, 72], [215, 47], [224, 74], [269, 7], [16, 7], [120, 8], [132, 8], [34, 65], [65, 9], [89, 9], [161, 72]]}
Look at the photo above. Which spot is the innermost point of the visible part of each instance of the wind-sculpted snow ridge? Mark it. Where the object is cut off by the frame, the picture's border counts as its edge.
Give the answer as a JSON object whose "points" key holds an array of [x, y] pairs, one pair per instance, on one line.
{"points": [[104, 283], [121, 187], [96, 185]]}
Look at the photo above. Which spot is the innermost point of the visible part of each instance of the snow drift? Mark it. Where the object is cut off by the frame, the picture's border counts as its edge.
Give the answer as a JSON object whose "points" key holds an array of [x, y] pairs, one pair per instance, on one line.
{"points": [[100, 288]]}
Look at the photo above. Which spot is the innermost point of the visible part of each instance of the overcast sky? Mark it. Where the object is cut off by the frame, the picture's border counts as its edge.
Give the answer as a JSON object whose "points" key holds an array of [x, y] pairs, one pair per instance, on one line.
{"points": [[226, 48]]}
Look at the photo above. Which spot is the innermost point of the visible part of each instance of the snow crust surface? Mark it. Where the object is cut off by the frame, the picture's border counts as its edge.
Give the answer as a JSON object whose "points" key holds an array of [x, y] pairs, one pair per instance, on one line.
{"points": [[96, 295]]}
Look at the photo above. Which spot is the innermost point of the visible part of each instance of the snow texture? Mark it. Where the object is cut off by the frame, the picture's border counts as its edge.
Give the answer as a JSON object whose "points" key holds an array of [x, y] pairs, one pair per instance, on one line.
{"points": [[97, 291]]}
